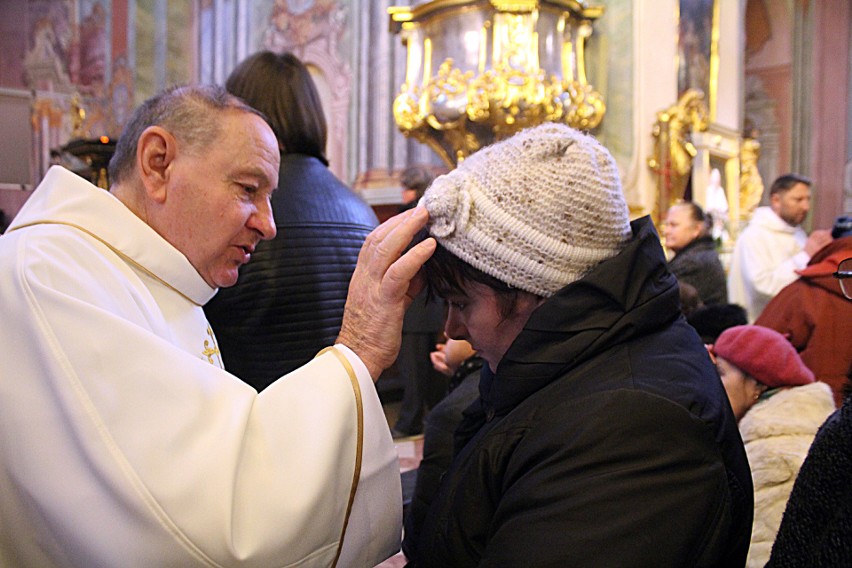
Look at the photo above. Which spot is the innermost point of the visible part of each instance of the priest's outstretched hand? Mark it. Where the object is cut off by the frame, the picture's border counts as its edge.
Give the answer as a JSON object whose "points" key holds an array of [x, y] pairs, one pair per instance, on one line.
{"points": [[383, 285]]}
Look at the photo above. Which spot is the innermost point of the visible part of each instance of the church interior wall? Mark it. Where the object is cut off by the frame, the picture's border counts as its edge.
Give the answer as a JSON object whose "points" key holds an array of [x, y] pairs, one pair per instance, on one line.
{"points": [[116, 53], [728, 111], [653, 88], [847, 177], [609, 56], [828, 104]]}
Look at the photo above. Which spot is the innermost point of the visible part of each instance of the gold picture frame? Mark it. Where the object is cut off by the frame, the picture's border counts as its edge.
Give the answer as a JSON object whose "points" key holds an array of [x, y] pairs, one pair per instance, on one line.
{"points": [[698, 49]]}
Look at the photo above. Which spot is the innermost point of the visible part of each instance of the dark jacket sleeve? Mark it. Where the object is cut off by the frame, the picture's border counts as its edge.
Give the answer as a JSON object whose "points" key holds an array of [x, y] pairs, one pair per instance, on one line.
{"points": [[440, 425], [621, 484], [818, 519]]}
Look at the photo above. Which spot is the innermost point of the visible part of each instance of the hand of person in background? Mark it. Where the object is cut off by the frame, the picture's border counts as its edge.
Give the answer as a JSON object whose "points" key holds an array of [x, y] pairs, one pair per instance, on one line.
{"points": [[817, 240], [382, 287], [709, 348], [448, 356], [439, 360]]}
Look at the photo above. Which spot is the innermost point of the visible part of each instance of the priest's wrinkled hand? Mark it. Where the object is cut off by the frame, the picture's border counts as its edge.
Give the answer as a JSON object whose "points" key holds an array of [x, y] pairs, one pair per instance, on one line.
{"points": [[382, 287]]}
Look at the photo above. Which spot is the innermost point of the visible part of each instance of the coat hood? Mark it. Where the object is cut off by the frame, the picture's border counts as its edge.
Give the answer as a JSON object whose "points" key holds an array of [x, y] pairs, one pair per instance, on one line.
{"points": [[701, 243], [769, 219], [624, 297], [822, 266], [64, 198]]}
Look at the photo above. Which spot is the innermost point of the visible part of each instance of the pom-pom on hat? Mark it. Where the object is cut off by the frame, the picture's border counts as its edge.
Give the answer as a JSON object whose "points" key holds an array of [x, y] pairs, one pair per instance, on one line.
{"points": [[537, 211], [764, 354]]}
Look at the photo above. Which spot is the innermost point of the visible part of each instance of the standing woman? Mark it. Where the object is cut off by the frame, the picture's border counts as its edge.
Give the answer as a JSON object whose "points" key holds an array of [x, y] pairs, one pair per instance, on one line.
{"points": [[601, 435], [288, 302]]}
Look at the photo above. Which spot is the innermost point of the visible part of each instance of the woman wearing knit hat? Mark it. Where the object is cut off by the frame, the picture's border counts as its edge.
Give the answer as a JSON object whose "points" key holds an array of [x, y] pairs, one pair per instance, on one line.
{"points": [[780, 408], [601, 435]]}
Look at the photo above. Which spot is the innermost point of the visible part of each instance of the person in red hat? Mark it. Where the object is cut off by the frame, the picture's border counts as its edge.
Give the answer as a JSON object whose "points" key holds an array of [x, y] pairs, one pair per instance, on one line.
{"points": [[779, 407], [816, 317]]}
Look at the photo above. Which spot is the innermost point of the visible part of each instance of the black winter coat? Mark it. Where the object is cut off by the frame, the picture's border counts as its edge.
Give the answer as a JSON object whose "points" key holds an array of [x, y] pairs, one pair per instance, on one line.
{"points": [[816, 530], [698, 264], [604, 439], [288, 301]]}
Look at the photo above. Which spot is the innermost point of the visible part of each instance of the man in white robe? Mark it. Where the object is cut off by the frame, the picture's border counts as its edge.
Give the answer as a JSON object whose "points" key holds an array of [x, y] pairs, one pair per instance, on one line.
{"points": [[773, 246], [123, 441]]}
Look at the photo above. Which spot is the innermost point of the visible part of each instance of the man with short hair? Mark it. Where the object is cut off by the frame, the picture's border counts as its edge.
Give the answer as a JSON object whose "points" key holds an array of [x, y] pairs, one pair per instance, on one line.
{"points": [[773, 246], [414, 180], [123, 441]]}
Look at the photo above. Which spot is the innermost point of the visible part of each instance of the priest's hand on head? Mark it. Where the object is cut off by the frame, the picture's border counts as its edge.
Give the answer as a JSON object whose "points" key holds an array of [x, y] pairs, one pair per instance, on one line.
{"points": [[382, 287]]}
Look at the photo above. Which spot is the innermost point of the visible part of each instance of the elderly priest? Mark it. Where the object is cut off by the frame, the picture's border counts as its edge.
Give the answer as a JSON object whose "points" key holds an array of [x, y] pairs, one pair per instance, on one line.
{"points": [[123, 441]]}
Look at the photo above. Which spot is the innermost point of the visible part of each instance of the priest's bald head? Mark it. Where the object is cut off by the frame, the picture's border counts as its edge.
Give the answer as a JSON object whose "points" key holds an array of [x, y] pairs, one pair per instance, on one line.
{"points": [[199, 166]]}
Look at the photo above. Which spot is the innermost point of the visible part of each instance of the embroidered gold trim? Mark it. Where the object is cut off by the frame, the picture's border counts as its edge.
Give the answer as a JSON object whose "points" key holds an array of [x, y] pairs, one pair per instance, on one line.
{"points": [[210, 351], [126, 258], [359, 409]]}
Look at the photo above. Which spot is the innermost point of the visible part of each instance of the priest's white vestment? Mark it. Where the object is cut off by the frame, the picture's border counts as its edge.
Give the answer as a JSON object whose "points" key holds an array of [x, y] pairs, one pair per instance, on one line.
{"points": [[124, 442]]}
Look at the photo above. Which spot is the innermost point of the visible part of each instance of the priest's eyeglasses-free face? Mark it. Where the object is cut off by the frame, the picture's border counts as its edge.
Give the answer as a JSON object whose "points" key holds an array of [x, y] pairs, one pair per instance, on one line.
{"points": [[844, 276]]}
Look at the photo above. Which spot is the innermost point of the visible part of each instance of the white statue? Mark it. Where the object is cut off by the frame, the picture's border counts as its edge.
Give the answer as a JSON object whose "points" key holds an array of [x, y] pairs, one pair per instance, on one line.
{"points": [[717, 206]]}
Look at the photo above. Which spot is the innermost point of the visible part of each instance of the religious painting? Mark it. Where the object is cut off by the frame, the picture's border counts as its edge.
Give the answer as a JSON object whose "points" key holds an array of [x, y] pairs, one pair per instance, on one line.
{"points": [[697, 49], [313, 31], [91, 71]]}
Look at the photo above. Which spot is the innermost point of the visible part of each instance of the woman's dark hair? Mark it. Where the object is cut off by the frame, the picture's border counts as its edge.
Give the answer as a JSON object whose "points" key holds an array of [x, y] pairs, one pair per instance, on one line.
{"points": [[697, 214], [281, 87], [446, 274]]}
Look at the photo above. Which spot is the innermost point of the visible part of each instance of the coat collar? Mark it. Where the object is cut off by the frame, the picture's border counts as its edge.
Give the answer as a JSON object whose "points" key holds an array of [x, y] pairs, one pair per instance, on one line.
{"points": [[699, 244], [766, 217], [626, 296], [65, 198]]}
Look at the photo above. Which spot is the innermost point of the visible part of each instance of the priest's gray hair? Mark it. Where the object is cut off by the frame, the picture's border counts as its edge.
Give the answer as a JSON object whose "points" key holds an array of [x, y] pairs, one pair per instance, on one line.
{"points": [[185, 111]]}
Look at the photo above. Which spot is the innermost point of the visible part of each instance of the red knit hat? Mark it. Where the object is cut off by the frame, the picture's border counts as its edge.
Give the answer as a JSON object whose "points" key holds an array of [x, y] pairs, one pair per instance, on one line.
{"points": [[764, 354]]}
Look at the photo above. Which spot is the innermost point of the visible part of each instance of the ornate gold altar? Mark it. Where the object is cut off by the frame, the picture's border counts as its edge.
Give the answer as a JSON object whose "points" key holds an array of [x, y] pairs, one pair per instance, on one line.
{"points": [[688, 148], [92, 154], [674, 149], [499, 66], [95, 154]]}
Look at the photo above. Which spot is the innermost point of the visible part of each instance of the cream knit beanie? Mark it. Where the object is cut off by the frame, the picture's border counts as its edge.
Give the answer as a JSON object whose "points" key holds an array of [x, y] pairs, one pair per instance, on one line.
{"points": [[537, 211]]}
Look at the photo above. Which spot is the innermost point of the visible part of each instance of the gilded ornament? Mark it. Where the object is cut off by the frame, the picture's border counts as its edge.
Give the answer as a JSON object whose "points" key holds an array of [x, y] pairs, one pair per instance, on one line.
{"points": [[586, 107], [673, 147], [751, 183], [78, 118], [497, 86]]}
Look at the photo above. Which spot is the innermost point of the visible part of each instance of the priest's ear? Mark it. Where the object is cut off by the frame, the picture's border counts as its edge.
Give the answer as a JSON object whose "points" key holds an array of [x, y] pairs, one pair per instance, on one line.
{"points": [[155, 152]]}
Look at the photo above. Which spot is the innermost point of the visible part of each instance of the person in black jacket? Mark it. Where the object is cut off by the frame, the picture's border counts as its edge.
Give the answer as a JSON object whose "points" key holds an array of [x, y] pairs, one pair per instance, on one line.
{"points": [[602, 435], [288, 301], [695, 260]]}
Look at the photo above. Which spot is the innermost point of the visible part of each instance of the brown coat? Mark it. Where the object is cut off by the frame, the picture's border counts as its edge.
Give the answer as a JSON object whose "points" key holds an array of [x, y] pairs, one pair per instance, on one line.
{"points": [[816, 316]]}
